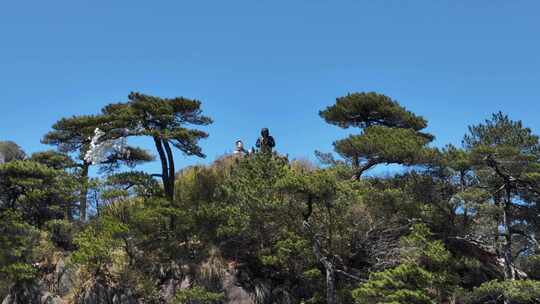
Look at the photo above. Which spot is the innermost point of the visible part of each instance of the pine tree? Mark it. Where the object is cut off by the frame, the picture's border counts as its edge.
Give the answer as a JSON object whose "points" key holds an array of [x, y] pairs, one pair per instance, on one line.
{"points": [[19, 245], [10, 151], [166, 121], [38, 192], [391, 134], [53, 159], [73, 136], [328, 225], [424, 276], [506, 157]]}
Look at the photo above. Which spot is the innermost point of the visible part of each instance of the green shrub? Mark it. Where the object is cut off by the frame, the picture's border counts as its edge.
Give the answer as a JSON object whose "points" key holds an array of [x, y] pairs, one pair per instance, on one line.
{"points": [[197, 294], [516, 292], [61, 233], [19, 242]]}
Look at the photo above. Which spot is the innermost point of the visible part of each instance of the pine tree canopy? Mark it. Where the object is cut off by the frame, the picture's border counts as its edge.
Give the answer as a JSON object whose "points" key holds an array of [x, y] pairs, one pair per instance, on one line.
{"points": [[378, 144], [39, 192], [362, 110], [499, 131], [163, 118], [166, 120], [391, 134], [73, 134], [53, 159]]}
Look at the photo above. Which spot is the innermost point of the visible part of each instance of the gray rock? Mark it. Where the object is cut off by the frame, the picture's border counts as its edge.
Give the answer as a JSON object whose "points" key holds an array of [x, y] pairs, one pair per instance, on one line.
{"points": [[235, 293], [48, 298], [27, 293], [97, 294], [64, 278], [101, 294], [126, 297], [168, 289]]}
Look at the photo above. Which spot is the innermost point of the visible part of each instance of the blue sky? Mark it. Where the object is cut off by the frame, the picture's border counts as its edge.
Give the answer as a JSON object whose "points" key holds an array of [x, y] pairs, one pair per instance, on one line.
{"points": [[269, 64]]}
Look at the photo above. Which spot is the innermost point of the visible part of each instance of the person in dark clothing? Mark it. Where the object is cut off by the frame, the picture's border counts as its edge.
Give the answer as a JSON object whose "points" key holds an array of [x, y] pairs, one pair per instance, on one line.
{"points": [[265, 143]]}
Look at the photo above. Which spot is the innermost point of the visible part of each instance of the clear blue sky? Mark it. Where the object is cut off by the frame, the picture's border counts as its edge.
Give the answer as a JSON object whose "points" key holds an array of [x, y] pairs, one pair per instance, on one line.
{"points": [[268, 63]]}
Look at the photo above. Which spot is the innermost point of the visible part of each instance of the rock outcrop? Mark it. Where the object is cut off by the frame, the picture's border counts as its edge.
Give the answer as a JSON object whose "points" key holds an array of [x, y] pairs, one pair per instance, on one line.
{"points": [[57, 283]]}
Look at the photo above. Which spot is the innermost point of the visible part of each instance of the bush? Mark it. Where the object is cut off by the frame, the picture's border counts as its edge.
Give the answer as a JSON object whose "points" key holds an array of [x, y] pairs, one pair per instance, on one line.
{"points": [[18, 241], [96, 246], [423, 277], [197, 294], [61, 233], [517, 292]]}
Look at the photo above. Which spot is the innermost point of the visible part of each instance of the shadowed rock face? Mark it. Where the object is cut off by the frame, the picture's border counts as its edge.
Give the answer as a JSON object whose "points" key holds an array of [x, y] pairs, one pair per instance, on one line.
{"points": [[31, 293], [57, 283], [233, 292], [227, 283], [60, 280], [23, 293], [240, 288], [106, 295]]}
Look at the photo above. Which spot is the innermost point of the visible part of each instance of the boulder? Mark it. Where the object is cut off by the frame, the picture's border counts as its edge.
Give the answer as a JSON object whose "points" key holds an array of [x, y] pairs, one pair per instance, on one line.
{"points": [[27, 293]]}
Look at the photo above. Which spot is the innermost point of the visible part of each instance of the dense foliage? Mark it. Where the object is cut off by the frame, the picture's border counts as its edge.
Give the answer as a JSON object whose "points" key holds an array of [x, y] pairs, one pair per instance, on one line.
{"points": [[453, 225]]}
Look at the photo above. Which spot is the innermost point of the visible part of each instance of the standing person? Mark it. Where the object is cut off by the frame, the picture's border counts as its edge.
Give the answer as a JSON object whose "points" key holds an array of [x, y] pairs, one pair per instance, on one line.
{"points": [[239, 148], [266, 142]]}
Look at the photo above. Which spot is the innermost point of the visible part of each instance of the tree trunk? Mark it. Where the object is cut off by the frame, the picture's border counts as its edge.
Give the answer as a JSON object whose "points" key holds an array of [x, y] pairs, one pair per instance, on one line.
{"points": [[164, 168], [356, 162], [331, 297], [509, 273], [463, 184], [172, 177], [172, 173], [83, 199], [361, 169]]}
